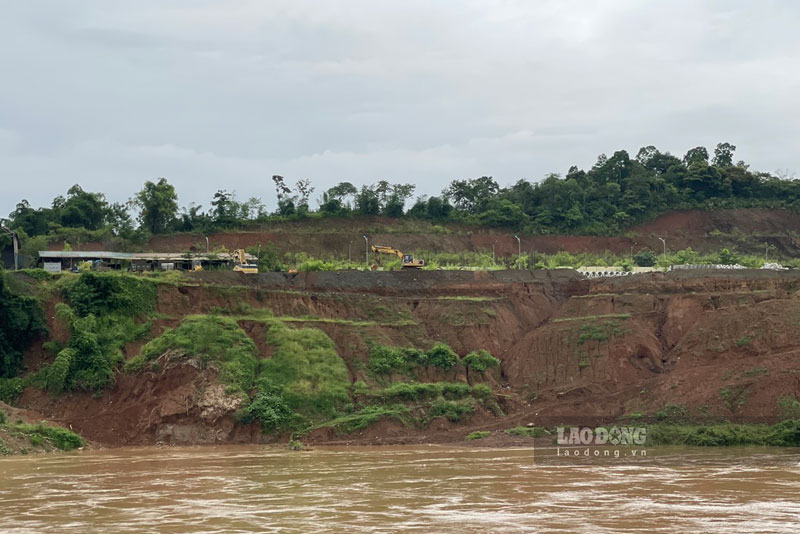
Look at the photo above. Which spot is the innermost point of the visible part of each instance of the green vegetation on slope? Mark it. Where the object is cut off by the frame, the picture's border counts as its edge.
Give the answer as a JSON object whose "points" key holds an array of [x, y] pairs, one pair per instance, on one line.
{"points": [[21, 322]]}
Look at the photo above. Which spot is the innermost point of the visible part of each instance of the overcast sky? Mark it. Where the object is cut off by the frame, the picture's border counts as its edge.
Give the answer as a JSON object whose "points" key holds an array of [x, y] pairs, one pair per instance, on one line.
{"points": [[224, 94]]}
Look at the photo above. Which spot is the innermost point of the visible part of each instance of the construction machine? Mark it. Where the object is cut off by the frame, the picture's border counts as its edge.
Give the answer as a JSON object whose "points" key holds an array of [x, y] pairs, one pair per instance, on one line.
{"points": [[240, 263], [408, 261]]}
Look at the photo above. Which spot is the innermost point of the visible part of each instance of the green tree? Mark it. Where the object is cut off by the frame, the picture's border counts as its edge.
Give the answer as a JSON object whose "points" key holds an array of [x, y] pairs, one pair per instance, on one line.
{"points": [[368, 201], [697, 154], [158, 205], [83, 210], [723, 155]]}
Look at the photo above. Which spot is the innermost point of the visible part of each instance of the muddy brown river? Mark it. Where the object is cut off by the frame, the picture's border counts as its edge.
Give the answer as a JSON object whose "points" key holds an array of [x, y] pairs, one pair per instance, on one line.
{"points": [[410, 489]]}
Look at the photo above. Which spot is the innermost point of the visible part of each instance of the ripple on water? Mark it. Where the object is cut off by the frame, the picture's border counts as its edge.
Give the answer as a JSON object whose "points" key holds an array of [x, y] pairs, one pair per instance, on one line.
{"points": [[414, 489]]}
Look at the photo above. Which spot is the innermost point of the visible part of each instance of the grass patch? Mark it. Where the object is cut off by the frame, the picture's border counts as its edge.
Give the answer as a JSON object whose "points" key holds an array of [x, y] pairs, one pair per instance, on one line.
{"points": [[528, 431], [478, 434], [593, 317], [307, 372], [360, 420], [41, 433], [784, 434], [755, 371], [789, 407], [208, 339], [599, 332]]}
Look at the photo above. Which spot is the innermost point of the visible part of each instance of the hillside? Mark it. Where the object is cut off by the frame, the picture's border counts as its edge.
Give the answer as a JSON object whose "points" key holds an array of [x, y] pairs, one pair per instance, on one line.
{"points": [[742, 230], [704, 346]]}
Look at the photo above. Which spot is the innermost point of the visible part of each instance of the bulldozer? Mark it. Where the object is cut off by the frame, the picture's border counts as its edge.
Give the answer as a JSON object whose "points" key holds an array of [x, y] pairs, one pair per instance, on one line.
{"points": [[408, 261], [240, 264]]}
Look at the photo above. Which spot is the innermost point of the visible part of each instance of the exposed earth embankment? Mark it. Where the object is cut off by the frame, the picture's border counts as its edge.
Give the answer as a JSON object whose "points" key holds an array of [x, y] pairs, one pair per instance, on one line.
{"points": [[703, 345]]}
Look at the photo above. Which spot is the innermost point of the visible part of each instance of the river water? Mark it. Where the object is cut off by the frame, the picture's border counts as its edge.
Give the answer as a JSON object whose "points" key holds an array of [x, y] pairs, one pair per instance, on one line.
{"points": [[389, 489]]}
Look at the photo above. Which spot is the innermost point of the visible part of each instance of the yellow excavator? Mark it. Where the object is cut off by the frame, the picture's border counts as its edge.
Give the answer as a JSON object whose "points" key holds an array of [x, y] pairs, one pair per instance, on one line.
{"points": [[408, 261], [240, 264]]}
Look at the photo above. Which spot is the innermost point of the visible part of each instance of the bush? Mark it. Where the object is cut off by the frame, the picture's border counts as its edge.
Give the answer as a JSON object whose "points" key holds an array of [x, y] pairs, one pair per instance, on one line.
{"points": [[442, 356], [10, 389], [452, 410], [269, 409], [478, 434], [482, 392], [21, 322], [102, 293], [481, 361], [385, 360], [644, 258]]}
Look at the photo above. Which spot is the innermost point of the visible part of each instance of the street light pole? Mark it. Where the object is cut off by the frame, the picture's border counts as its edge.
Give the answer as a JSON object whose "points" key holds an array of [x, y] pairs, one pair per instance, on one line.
{"points": [[366, 248], [519, 252], [664, 242]]}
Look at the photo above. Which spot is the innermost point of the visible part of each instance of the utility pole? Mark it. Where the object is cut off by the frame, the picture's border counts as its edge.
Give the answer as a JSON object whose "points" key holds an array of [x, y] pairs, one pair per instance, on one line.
{"points": [[366, 249], [493, 244], [350, 251], [664, 242], [519, 252], [207, 251]]}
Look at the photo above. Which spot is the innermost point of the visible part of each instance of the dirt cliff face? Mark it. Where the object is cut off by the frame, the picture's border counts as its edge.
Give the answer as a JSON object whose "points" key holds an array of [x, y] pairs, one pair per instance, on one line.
{"points": [[720, 345]]}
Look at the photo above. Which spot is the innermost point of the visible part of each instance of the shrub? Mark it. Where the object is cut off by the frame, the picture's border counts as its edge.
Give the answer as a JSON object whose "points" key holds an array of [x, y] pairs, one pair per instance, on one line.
{"points": [[21, 322], [452, 410], [56, 375], [269, 409], [481, 361], [482, 392], [384, 360], [645, 258], [10, 389], [102, 293], [442, 356], [478, 434]]}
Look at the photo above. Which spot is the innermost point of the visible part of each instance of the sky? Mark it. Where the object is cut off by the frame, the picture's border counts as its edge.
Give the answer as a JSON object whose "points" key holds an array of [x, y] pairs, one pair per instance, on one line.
{"points": [[224, 94]]}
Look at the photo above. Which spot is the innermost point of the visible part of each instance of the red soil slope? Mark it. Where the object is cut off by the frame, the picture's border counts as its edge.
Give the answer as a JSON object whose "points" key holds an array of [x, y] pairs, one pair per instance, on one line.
{"points": [[722, 345]]}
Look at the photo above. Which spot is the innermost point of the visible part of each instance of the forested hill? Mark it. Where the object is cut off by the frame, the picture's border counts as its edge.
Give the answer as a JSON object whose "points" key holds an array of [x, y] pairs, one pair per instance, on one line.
{"points": [[617, 192]]}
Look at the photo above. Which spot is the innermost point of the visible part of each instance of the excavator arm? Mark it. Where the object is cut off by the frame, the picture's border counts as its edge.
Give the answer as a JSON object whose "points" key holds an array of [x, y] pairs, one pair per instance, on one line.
{"points": [[407, 260]]}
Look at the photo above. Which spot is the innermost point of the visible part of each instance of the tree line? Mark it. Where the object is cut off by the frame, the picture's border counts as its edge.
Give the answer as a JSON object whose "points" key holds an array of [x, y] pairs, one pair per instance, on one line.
{"points": [[615, 193]]}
